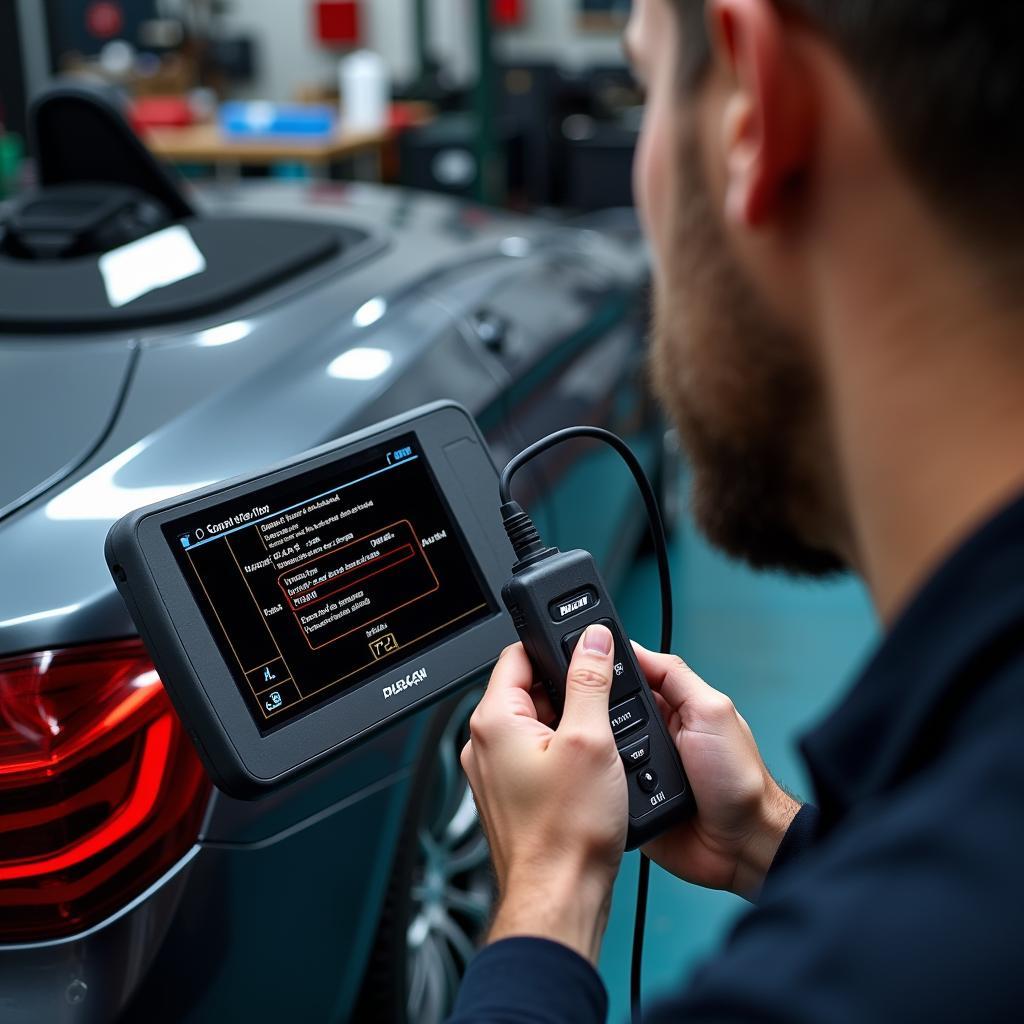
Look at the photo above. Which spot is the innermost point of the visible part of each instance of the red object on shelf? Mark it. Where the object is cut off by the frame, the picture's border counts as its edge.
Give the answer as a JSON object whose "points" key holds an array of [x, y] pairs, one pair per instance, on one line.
{"points": [[161, 112], [402, 116], [104, 20], [337, 22], [508, 13]]}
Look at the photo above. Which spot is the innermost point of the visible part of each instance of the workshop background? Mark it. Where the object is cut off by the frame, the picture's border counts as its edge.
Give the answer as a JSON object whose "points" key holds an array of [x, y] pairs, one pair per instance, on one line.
{"points": [[519, 118]]}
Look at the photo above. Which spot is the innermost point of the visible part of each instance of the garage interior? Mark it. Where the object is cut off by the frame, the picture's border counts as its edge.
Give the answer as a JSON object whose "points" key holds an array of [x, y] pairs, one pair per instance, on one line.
{"points": [[466, 135]]}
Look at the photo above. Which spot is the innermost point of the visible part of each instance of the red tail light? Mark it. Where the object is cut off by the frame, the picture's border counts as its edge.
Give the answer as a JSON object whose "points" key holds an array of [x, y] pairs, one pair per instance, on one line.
{"points": [[100, 789]]}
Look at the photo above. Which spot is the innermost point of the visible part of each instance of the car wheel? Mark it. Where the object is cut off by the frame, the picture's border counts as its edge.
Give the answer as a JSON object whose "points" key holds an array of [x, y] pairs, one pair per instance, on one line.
{"points": [[441, 891]]}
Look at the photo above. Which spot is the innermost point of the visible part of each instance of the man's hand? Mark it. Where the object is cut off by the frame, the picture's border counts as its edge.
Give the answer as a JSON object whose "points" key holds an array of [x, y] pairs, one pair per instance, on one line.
{"points": [[553, 801], [742, 812]]}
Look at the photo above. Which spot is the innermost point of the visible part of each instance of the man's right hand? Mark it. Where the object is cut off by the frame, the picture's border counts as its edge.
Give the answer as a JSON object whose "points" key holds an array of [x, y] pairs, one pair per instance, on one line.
{"points": [[742, 812]]}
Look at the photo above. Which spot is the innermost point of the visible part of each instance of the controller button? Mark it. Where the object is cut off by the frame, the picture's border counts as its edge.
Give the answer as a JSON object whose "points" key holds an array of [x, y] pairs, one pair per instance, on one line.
{"points": [[637, 754], [570, 641], [647, 780], [627, 715]]}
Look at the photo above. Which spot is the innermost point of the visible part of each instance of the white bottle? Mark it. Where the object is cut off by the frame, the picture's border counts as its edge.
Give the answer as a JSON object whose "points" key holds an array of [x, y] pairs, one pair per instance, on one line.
{"points": [[365, 92]]}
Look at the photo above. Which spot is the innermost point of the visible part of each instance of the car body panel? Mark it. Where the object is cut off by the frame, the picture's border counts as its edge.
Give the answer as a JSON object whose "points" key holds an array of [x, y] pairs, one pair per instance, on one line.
{"points": [[52, 422], [90, 978]]}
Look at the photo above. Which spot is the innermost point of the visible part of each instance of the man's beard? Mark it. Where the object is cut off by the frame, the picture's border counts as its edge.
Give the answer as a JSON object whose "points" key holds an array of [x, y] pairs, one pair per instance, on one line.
{"points": [[744, 395]]}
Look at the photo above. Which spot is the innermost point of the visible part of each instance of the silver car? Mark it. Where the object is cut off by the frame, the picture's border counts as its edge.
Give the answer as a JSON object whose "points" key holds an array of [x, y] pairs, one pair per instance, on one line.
{"points": [[129, 888]]}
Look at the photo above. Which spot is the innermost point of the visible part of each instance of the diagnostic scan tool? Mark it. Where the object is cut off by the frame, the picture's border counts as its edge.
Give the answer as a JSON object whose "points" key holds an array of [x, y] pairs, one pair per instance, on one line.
{"points": [[292, 614], [553, 596]]}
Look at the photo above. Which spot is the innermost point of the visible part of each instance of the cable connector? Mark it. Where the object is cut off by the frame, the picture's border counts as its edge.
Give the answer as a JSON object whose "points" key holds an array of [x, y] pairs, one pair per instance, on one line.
{"points": [[524, 536]]}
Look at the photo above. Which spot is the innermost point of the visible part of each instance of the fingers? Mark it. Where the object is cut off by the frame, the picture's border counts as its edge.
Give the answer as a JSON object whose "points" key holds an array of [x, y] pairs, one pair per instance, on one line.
{"points": [[510, 699], [673, 723], [674, 680], [508, 688], [589, 683], [662, 705], [542, 702], [513, 671]]}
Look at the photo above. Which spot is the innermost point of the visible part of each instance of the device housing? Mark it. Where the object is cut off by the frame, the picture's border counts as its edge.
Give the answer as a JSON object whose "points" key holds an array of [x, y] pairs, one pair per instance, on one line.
{"points": [[242, 760], [552, 601]]}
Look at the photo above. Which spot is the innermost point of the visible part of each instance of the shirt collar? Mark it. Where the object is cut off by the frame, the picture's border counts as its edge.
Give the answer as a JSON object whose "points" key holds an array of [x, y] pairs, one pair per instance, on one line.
{"points": [[935, 660]]}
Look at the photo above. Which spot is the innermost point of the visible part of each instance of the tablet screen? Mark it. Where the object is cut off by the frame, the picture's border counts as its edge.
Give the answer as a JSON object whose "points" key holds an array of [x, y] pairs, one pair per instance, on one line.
{"points": [[313, 585]]}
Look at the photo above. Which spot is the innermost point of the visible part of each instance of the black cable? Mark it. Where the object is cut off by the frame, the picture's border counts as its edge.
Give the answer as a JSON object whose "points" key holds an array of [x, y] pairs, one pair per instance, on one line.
{"points": [[657, 527], [639, 923]]}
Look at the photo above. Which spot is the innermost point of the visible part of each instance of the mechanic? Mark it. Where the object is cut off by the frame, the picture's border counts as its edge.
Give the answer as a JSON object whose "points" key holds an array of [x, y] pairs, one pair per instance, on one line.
{"points": [[832, 193]]}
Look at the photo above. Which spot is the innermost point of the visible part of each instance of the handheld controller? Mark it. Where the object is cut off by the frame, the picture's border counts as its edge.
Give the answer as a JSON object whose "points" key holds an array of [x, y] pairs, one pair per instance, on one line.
{"points": [[552, 597], [552, 601]]}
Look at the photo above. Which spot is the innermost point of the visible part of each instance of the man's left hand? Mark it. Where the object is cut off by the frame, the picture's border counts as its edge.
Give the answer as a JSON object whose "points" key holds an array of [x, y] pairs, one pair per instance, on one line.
{"points": [[553, 801]]}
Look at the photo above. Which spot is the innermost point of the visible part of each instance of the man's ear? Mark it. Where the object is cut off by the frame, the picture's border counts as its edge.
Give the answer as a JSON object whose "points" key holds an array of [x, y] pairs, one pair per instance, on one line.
{"points": [[767, 124]]}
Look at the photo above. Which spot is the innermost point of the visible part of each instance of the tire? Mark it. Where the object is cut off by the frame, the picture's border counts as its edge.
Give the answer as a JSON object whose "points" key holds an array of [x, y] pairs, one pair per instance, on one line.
{"points": [[441, 892]]}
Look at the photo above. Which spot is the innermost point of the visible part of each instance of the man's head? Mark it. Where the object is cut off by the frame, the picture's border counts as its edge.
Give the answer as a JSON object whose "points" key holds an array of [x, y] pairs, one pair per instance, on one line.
{"points": [[782, 138]]}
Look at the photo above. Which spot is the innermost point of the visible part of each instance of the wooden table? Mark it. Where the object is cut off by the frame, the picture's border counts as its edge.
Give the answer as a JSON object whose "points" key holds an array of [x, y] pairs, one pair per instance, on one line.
{"points": [[205, 144]]}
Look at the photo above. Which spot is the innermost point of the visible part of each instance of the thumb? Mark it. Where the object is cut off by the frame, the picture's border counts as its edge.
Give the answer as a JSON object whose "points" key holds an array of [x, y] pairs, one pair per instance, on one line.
{"points": [[589, 681]]}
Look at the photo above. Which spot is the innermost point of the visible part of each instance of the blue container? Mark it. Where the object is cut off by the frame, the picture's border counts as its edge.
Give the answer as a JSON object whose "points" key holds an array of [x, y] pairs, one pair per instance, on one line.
{"points": [[262, 120]]}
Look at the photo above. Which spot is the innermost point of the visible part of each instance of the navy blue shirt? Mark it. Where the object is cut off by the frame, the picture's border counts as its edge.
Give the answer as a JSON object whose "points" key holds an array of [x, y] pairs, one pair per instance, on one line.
{"points": [[902, 897]]}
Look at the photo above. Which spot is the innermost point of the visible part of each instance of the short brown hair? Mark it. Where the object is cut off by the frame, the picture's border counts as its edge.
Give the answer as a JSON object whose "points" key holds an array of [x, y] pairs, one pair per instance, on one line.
{"points": [[946, 78]]}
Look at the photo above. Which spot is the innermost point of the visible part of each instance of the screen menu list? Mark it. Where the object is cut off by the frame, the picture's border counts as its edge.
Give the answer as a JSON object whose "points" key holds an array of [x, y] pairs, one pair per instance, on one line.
{"points": [[313, 585]]}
